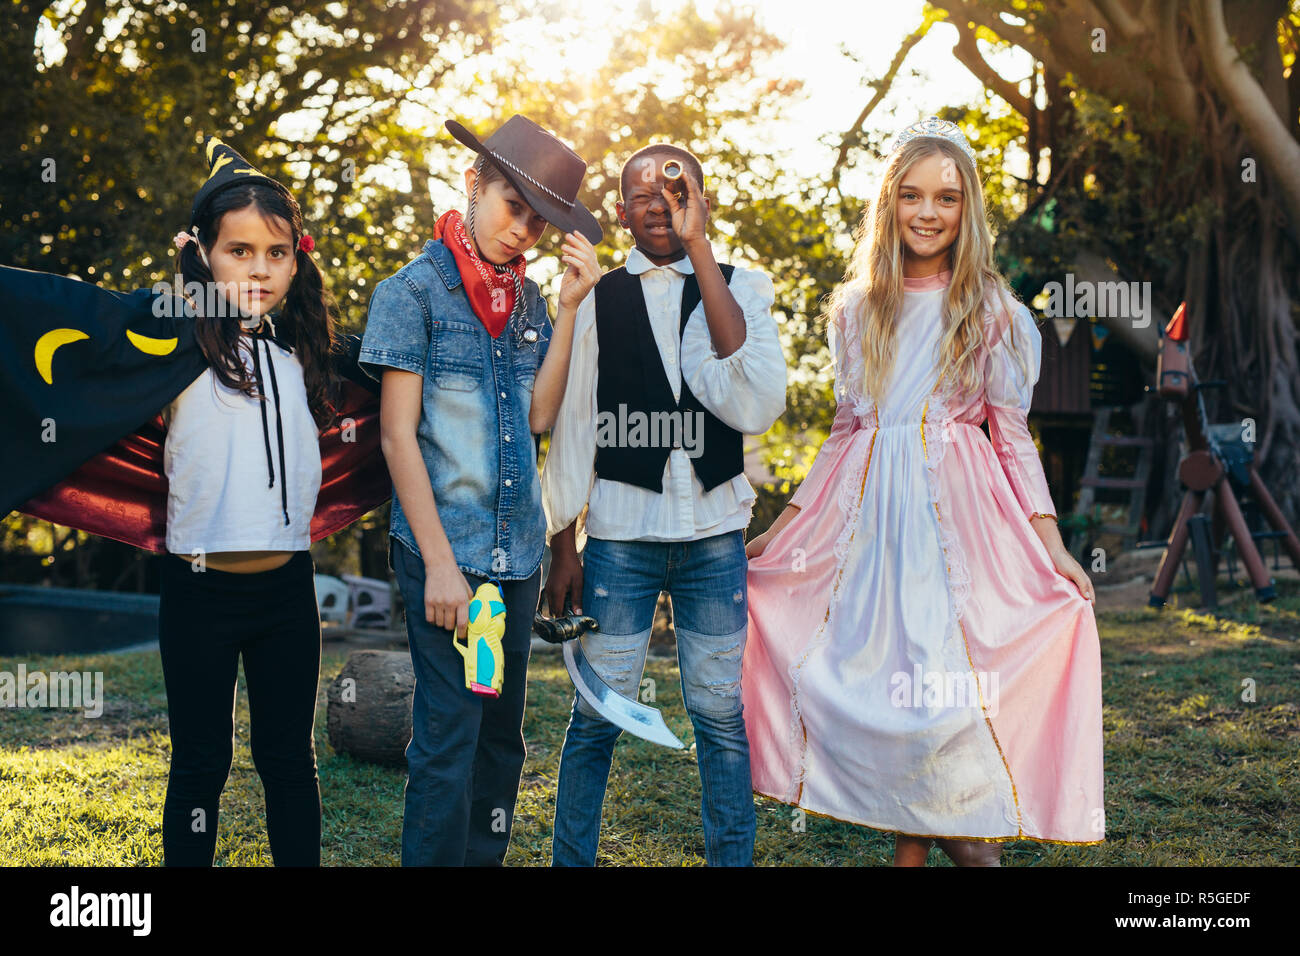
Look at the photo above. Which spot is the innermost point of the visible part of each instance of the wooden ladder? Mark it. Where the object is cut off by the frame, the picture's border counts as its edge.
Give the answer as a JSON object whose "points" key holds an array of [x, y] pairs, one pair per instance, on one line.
{"points": [[1135, 484]]}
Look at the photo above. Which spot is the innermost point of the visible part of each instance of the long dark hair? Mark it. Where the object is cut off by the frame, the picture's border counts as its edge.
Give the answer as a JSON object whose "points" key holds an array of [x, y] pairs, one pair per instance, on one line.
{"points": [[307, 315]]}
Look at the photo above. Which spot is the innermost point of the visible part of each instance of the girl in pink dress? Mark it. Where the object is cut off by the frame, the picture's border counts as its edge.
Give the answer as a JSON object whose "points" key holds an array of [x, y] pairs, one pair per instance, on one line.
{"points": [[922, 654]]}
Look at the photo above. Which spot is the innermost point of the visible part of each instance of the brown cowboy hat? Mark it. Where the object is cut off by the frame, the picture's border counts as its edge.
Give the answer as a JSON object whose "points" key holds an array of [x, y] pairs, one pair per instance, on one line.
{"points": [[545, 171]]}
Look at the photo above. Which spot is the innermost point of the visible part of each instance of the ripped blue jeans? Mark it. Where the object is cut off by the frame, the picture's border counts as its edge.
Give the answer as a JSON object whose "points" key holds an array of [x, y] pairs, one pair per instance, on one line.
{"points": [[621, 585]]}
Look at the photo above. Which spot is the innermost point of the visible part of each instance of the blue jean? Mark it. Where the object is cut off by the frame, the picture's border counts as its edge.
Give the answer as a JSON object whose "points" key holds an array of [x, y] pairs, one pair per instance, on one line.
{"points": [[466, 752], [473, 430], [621, 585]]}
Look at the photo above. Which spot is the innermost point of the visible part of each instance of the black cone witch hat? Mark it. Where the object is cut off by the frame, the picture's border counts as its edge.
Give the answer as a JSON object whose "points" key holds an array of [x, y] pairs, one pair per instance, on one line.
{"points": [[227, 168]]}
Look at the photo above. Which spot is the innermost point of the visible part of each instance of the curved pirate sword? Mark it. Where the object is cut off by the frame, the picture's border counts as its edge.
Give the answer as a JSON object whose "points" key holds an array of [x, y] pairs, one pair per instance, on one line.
{"points": [[630, 715]]}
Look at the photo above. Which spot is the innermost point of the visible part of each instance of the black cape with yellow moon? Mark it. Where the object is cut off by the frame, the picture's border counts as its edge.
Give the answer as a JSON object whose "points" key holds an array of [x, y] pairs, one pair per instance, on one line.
{"points": [[84, 375]]}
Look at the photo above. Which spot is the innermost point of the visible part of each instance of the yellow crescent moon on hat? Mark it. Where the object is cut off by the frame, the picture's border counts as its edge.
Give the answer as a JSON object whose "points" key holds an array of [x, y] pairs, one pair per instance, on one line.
{"points": [[151, 346], [46, 345], [216, 167]]}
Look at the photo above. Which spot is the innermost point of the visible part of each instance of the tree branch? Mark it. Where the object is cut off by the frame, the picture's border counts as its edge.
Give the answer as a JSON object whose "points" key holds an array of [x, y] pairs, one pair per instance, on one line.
{"points": [[968, 52], [1291, 25], [1021, 37], [1233, 80], [1176, 87], [1128, 25], [882, 86], [81, 32]]}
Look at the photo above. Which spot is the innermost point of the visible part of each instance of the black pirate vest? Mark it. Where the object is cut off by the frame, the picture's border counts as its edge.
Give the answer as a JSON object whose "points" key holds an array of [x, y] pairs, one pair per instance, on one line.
{"points": [[638, 422]]}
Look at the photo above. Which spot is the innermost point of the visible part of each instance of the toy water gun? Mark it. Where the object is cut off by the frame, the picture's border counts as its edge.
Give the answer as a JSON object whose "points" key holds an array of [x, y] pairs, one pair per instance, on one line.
{"points": [[484, 660]]}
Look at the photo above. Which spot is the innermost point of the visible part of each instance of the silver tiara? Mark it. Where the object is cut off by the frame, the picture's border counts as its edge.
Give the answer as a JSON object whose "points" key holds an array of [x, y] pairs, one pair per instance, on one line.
{"points": [[940, 129]]}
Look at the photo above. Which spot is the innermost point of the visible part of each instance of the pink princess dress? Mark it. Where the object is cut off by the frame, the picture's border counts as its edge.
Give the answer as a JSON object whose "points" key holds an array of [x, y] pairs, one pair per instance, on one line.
{"points": [[915, 663]]}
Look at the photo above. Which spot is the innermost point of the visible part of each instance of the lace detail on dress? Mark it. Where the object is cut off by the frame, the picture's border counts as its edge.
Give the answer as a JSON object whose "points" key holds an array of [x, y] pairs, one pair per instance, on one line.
{"points": [[852, 486], [937, 431], [849, 498], [937, 434], [849, 367]]}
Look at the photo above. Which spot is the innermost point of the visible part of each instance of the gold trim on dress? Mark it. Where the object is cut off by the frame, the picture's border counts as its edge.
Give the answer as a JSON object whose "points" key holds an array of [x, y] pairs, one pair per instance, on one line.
{"points": [[925, 449], [931, 836]]}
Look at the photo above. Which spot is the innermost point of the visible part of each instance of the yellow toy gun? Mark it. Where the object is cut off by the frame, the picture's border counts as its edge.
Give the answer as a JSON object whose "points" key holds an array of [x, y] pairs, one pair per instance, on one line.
{"points": [[484, 661]]}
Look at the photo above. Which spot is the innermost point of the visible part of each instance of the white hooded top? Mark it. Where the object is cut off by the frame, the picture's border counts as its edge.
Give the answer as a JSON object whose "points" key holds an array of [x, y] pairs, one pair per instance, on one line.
{"points": [[232, 484]]}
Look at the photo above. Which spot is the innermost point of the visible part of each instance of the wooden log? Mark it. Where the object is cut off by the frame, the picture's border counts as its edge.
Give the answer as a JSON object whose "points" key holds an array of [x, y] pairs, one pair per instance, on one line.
{"points": [[369, 710]]}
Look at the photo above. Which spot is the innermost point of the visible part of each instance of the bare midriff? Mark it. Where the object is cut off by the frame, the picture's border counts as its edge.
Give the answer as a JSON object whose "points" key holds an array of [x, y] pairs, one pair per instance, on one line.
{"points": [[244, 562]]}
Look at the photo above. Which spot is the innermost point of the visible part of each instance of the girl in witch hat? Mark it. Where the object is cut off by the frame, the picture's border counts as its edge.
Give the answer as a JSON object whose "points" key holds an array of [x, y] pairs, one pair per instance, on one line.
{"points": [[472, 369], [245, 368], [244, 469]]}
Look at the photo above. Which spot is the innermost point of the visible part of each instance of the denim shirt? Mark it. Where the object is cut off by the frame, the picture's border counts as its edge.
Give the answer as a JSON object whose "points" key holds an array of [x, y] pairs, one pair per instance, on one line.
{"points": [[473, 432]]}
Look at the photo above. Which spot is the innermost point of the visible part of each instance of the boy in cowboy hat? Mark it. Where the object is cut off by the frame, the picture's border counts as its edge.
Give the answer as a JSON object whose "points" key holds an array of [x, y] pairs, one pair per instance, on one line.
{"points": [[689, 346], [471, 370]]}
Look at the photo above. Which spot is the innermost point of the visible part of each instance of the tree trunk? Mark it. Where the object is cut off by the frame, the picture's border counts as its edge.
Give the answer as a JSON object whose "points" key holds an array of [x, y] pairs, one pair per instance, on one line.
{"points": [[369, 712], [372, 548]]}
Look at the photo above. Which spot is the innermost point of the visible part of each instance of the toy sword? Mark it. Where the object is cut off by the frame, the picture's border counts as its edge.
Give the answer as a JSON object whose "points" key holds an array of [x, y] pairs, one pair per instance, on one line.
{"points": [[633, 716]]}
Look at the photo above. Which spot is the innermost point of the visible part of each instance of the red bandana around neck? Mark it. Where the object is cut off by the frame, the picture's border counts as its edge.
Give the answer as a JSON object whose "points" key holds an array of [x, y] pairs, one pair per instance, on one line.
{"points": [[491, 293]]}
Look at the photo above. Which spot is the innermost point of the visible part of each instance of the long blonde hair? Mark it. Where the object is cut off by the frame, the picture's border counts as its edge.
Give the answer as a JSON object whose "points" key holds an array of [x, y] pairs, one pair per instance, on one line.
{"points": [[873, 283]]}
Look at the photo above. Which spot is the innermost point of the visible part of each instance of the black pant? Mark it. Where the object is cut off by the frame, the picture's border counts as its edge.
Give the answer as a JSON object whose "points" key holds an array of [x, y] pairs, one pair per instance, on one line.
{"points": [[206, 620]]}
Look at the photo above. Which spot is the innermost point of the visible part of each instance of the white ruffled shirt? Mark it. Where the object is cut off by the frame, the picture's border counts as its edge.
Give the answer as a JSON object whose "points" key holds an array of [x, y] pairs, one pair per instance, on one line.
{"points": [[745, 390]]}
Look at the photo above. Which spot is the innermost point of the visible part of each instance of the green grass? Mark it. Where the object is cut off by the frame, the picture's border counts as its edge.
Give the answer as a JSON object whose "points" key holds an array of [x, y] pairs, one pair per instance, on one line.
{"points": [[1194, 774]]}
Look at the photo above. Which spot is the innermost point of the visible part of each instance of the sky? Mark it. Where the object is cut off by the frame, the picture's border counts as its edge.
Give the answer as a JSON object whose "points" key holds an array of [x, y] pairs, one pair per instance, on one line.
{"points": [[815, 30], [834, 94]]}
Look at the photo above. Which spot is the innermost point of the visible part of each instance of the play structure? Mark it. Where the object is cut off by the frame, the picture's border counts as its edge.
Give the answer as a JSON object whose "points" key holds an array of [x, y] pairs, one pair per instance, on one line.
{"points": [[1218, 460]]}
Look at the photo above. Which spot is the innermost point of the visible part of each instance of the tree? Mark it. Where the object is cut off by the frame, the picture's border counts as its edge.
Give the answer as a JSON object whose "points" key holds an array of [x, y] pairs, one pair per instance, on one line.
{"points": [[121, 109]]}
